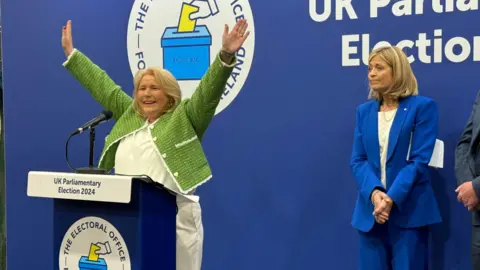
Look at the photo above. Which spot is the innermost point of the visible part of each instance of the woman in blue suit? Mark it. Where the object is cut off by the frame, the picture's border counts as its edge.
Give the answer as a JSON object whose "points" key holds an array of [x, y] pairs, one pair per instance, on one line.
{"points": [[394, 138]]}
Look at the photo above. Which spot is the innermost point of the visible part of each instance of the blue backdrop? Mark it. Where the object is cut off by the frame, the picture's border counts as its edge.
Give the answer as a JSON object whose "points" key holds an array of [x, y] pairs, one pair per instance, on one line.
{"points": [[282, 194]]}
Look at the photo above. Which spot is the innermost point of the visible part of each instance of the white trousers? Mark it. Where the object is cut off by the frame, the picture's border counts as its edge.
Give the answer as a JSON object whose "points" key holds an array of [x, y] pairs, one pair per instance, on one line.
{"points": [[189, 235]]}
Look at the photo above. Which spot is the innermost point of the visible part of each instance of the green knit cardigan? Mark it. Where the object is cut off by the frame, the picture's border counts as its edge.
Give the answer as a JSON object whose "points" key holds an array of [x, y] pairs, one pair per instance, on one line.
{"points": [[177, 134]]}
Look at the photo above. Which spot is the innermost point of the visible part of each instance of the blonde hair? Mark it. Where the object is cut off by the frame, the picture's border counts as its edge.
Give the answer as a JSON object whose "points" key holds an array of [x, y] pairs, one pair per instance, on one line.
{"points": [[167, 83], [404, 83]]}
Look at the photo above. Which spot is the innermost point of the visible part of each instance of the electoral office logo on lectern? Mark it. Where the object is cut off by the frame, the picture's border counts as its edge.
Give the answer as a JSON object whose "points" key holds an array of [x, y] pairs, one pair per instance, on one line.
{"points": [[93, 243], [185, 37]]}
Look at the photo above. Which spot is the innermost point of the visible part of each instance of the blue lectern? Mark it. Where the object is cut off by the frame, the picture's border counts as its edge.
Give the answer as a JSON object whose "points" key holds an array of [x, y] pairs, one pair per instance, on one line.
{"points": [[97, 226]]}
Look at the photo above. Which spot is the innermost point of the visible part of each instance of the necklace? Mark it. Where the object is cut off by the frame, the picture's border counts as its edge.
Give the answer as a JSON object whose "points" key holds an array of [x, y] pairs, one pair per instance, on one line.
{"points": [[385, 118]]}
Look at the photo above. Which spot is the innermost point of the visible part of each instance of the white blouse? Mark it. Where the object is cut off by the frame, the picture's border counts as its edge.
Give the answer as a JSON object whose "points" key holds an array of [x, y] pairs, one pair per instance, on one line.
{"points": [[137, 154], [385, 120]]}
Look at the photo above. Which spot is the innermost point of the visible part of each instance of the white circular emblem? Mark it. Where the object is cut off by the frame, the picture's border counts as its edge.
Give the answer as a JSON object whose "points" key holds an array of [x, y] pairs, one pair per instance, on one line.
{"points": [[185, 37], [93, 243]]}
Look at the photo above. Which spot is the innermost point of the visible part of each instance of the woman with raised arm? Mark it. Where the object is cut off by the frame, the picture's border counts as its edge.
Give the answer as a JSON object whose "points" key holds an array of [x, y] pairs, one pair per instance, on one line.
{"points": [[157, 133]]}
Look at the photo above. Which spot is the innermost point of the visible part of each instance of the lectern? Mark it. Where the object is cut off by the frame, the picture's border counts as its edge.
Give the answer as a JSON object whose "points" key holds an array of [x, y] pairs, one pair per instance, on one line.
{"points": [[108, 221]]}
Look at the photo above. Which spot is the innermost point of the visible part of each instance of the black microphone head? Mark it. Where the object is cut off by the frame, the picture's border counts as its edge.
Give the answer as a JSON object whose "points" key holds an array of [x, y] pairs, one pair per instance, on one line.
{"points": [[108, 114]]}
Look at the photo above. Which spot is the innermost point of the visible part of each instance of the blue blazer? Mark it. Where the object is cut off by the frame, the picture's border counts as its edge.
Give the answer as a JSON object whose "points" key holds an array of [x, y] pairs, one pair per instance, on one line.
{"points": [[408, 181]]}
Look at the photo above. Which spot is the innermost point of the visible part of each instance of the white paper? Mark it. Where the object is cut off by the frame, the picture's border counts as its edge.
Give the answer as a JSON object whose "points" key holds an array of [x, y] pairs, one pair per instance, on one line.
{"points": [[438, 155], [436, 161]]}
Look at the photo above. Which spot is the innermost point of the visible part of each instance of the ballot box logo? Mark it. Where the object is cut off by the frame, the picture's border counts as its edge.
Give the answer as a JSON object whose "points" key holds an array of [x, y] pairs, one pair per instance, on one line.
{"points": [[184, 37], [93, 243]]}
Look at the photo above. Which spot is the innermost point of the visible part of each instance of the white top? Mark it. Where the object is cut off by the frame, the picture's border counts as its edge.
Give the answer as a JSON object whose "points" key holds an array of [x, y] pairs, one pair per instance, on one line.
{"points": [[137, 154], [385, 120]]}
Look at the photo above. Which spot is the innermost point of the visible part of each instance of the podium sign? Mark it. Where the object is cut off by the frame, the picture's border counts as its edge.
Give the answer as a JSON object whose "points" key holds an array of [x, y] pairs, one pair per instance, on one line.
{"points": [[108, 222], [89, 187]]}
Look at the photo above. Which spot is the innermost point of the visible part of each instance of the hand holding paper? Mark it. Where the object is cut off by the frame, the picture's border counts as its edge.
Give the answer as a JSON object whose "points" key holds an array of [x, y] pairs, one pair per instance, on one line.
{"points": [[104, 248], [207, 8]]}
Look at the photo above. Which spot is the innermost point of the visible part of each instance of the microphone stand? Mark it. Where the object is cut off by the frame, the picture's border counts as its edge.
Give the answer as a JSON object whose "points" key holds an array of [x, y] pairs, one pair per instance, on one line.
{"points": [[91, 169]]}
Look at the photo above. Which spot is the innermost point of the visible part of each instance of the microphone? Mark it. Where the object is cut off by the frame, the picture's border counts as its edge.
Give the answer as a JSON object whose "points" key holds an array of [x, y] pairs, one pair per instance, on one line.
{"points": [[102, 117]]}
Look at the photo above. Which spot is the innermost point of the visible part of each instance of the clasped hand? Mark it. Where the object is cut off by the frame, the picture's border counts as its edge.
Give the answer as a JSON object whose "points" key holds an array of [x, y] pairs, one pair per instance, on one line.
{"points": [[467, 196], [382, 204]]}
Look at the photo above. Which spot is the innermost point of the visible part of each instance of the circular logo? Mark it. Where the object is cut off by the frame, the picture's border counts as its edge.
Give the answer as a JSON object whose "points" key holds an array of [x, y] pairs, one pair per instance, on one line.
{"points": [[185, 37], [93, 243]]}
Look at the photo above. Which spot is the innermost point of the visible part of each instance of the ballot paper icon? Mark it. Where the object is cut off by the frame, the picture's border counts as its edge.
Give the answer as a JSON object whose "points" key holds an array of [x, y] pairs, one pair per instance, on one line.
{"points": [[186, 46], [185, 23], [93, 260]]}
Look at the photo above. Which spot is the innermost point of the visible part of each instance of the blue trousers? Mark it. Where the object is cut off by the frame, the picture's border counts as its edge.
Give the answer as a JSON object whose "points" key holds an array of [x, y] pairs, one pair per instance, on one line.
{"points": [[388, 247]]}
